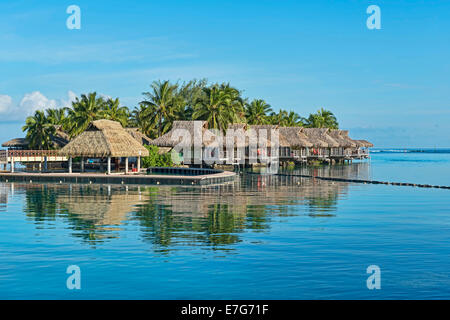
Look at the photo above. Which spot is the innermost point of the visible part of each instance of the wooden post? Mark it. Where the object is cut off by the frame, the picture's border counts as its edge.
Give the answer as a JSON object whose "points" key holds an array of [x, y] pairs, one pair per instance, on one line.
{"points": [[109, 165], [70, 164], [12, 164], [126, 165], [45, 164], [82, 164], [139, 164]]}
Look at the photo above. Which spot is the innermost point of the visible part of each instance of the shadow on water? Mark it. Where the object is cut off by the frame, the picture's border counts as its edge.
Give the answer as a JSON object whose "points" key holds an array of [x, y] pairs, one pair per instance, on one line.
{"points": [[169, 218]]}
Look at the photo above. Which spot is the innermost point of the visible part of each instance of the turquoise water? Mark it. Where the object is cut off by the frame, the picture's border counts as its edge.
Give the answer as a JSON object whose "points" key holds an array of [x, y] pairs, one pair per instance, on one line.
{"points": [[263, 237]]}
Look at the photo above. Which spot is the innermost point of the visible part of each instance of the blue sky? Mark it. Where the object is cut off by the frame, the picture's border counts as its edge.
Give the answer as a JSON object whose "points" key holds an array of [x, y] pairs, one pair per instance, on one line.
{"points": [[390, 86]]}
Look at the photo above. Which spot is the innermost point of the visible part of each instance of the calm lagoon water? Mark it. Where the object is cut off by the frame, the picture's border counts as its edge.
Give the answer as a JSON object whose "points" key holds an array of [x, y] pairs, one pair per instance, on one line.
{"points": [[263, 237]]}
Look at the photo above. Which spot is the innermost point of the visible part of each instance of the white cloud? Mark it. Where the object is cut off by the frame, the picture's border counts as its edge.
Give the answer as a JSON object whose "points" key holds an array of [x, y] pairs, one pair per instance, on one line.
{"points": [[34, 101], [6, 103], [30, 103]]}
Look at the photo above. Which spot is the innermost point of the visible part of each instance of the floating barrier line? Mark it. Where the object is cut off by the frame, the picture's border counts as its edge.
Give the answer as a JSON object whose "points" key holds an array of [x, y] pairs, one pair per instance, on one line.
{"points": [[403, 184]]}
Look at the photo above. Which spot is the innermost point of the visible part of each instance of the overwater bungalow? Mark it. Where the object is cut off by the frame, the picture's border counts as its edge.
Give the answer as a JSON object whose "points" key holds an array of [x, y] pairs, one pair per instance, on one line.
{"points": [[105, 139], [319, 145], [59, 140], [176, 137], [18, 150], [296, 144]]}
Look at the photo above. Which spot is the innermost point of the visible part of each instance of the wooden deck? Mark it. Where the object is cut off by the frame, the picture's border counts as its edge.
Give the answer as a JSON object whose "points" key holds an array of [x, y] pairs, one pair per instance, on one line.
{"points": [[139, 179]]}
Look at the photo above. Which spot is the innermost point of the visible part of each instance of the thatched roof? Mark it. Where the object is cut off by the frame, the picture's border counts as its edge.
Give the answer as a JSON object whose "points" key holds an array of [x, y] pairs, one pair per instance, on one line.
{"points": [[344, 134], [365, 143], [315, 137], [167, 140], [266, 130], [104, 138], [295, 137], [241, 139], [332, 143], [139, 136], [343, 140], [237, 126], [59, 140], [16, 143]]}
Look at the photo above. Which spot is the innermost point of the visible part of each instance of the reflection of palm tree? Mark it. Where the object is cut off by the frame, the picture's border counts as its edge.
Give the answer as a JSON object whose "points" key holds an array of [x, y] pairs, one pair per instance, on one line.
{"points": [[322, 205], [40, 203], [169, 217]]}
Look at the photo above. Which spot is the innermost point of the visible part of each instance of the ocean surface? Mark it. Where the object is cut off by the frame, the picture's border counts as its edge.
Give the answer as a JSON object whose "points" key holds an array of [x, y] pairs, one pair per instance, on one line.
{"points": [[262, 237]]}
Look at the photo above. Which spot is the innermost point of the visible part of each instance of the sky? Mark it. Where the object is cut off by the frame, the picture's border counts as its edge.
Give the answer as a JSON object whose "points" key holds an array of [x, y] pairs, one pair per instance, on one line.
{"points": [[390, 85]]}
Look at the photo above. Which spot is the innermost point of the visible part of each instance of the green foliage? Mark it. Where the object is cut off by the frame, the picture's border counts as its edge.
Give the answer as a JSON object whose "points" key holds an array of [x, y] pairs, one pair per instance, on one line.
{"points": [[322, 119], [166, 102], [113, 111], [39, 131], [161, 103], [155, 159], [219, 105], [257, 112], [83, 112]]}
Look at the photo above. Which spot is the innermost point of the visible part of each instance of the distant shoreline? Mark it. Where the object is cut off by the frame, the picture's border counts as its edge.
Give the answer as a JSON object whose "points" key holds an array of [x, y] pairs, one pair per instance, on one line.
{"points": [[410, 150]]}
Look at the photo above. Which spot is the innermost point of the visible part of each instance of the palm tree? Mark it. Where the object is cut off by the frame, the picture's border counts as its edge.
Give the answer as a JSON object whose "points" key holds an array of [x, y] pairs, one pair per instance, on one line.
{"points": [[219, 106], [39, 131], [161, 102], [113, 111], [139, 119], [257, 112], [292, 119], [56, 116], [322, 119], [237, 103], [187, 96], [83, 112], [278, 118]]}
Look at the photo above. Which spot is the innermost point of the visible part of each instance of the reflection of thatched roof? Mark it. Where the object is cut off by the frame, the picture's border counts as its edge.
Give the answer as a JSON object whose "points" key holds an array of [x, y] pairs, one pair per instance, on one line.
{"points": [[315, 137], [104, 138], [295, 137], [365, 143], [139, 136], [173, 138], [100, 209]]}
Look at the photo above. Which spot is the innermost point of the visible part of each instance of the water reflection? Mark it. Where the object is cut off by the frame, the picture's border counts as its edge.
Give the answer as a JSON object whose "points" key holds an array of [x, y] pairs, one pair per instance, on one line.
{"points": [[3, 197], [172, 217]]}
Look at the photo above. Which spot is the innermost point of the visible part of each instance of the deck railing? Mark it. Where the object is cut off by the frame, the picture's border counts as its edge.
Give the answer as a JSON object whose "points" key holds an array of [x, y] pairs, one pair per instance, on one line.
{"points": [[360, 152], [33, 153], [3, 155]]}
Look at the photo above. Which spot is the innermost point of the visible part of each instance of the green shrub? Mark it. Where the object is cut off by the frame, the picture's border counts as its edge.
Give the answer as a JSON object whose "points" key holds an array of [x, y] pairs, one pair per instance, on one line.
{"points": [[155, 159]]}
